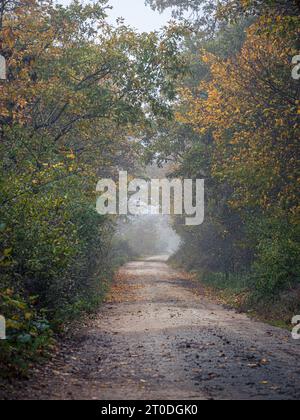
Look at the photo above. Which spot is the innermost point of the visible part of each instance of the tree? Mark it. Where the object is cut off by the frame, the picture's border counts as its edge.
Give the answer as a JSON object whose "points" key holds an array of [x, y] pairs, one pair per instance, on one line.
{"points": [[199, 14], [238, 127], [251, 109], [78, 93]]}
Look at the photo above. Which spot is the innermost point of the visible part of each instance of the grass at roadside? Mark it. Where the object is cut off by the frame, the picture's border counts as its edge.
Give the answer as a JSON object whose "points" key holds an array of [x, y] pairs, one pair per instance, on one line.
{"points": [[233, 291], [276, 310]]}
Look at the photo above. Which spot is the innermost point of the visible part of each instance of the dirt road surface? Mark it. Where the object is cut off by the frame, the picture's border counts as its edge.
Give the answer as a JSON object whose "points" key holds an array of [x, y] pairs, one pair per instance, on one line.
{"points": [[158, 339]]}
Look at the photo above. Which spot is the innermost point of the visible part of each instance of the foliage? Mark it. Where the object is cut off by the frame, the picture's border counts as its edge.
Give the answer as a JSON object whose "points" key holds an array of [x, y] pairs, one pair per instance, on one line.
{"points": [[28, 333], [277, 266], [213, 97], [243, 107], [78, 91], [198, 14], [246, 93]]}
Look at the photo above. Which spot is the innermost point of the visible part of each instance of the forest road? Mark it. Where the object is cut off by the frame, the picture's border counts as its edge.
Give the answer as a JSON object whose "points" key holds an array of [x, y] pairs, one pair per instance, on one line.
{"points": [[158, 338]]}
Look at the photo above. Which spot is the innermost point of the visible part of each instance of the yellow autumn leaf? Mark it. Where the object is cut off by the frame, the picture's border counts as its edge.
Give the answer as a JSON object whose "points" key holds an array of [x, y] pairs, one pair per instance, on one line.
{"points": [[28, 316]]}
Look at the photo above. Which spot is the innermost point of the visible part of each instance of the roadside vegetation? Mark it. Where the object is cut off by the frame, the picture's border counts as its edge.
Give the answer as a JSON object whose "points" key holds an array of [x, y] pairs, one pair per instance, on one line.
{"points": [[211, 96], [237, 126], [77, 92]]}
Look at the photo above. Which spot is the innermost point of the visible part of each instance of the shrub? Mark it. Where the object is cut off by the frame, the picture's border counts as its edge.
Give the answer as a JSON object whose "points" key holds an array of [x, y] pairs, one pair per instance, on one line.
{"points": [[28, 333]]}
